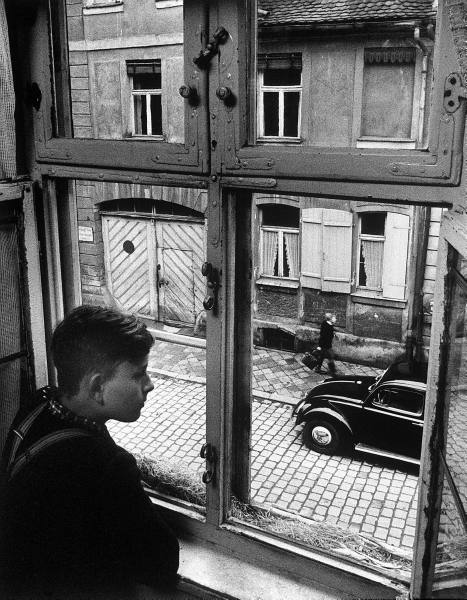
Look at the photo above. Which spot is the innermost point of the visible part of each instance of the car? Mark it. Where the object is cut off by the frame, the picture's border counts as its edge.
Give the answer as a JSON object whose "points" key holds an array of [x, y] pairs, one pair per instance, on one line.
{"points": [[376, 415]]}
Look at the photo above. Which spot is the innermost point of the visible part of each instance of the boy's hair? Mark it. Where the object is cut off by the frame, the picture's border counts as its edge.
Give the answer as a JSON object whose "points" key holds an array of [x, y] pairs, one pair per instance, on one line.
{"points": [[98, 338]]}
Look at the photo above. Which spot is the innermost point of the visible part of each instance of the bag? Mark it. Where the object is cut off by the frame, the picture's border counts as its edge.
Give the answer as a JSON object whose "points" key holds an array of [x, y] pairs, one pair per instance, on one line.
{"points": [[311, 359]]}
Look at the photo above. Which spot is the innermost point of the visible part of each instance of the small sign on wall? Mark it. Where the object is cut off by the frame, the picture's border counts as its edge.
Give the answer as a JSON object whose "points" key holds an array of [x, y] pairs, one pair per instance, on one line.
{"points": [[85, 234]]}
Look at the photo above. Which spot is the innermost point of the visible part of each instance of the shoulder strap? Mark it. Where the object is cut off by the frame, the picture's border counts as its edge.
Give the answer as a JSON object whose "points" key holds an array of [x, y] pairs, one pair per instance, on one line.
{"points": [[21, 430], [41, 444]]}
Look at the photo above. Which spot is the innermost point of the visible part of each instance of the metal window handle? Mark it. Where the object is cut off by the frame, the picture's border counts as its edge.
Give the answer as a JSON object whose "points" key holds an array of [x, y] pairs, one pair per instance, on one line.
{"points": [[220, 36], [208, 452], [212, 284]]}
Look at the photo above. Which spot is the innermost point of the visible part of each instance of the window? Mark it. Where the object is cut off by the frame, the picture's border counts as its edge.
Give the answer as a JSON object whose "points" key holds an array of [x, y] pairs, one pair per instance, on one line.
{"points": [[371, 250], [146, 84], [399, 401], [279, 241], [390, 97], [280, 93], [382, 254]]}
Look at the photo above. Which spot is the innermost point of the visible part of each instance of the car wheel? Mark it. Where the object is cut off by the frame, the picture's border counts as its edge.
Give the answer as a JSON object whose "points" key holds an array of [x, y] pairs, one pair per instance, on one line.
{"points": [[322, 436]]}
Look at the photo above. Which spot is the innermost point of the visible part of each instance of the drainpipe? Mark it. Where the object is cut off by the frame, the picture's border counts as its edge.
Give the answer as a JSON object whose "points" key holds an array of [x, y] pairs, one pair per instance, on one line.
{"points": [[421, 102], [416, 318]]}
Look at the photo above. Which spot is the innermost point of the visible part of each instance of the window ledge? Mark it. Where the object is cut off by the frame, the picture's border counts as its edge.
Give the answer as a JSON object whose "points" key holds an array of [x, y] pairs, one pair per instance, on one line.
{"points": [[278, 282], [103, 8], [360, 298], [168, 3], [390, 143], [279, 140]]}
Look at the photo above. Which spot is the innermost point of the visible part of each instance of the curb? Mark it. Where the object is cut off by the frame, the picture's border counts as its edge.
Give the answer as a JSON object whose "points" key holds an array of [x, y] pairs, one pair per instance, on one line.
{"points": [[258, 394]]}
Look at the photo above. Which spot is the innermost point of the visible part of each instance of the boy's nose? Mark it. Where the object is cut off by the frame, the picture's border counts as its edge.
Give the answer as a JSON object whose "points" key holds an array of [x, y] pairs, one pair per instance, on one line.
{"points": [[149, 386]]}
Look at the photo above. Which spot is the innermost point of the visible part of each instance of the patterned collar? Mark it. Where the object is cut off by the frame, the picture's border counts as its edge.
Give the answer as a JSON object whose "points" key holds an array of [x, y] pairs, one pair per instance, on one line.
{"points": [[57, 409]]}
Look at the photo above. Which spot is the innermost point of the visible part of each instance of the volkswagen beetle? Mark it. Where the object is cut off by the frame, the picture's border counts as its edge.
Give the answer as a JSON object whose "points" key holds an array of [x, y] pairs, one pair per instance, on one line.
{"points": [[377, 415]]}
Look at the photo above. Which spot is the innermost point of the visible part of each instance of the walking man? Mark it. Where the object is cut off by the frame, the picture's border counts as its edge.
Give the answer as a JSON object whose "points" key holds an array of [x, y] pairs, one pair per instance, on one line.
{"points": [[326, 336]]}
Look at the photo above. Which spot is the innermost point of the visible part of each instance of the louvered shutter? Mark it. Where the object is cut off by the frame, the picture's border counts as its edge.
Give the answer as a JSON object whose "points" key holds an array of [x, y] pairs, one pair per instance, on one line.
{"points": [[311, 247], [337, 251], [395, 255]]}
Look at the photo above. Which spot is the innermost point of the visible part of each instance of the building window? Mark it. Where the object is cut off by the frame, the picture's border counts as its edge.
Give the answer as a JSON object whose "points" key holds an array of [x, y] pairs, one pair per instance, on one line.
{"points": [[371, 251], [280, 94], [388, 109], [146, 90], [383, 242], [279, 241]]}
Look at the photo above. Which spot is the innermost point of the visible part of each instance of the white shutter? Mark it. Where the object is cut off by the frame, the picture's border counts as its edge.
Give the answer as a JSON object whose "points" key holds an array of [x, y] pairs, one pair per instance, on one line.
{"points": [[312, 247], [395, 255], [172, 79], [337, 251]]}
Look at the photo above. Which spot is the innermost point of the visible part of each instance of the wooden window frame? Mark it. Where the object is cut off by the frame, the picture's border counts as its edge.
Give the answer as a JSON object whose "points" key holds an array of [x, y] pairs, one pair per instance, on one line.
{"points": [[147, 93], [238, 169]]}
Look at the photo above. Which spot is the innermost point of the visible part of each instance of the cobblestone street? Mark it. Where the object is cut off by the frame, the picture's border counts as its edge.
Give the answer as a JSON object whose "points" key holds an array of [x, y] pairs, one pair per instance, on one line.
{"points": [[366, 496]]}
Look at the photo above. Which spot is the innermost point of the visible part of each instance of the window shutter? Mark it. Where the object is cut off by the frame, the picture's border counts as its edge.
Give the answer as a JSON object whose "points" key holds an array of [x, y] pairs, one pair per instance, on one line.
{"points": [[312, 247], [337, 251], [395, 255], [172, 78]]}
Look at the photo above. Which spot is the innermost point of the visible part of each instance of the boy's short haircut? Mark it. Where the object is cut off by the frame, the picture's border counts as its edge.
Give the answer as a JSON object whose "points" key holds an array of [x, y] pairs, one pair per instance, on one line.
{"points": [[96, 338]]}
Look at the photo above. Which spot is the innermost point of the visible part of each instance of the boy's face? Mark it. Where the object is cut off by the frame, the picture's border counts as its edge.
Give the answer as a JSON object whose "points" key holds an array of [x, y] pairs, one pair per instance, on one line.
{"points": [[125, 391]]}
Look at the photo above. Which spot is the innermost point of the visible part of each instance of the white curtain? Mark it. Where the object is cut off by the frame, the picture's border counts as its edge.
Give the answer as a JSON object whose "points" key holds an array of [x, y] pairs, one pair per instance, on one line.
{"points": [[291, 246], [270, 247], [373, 254], [7, 103]]}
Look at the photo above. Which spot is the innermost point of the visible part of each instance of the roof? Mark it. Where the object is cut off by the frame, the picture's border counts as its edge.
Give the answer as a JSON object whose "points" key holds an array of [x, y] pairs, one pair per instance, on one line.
{"points": [[303, 12]]}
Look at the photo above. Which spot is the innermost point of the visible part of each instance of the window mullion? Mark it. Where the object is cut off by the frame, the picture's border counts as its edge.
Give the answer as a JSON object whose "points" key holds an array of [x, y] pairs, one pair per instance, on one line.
{"points": [[148, 114]]}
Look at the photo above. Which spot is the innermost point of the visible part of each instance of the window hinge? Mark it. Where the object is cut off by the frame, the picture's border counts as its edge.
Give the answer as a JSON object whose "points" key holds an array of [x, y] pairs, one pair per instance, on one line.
{"points": [[208, 452], [454, 90]]}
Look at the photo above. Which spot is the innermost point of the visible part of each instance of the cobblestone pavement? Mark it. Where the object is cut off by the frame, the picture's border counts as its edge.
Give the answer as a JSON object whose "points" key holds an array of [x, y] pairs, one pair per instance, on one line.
{"points": [[364, 495], [274, 371]]}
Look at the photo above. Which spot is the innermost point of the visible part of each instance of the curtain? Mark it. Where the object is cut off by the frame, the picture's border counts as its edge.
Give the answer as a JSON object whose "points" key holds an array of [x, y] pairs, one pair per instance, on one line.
{"points": [[270, 247], [291, 247], [372, 252], [7, 103]]}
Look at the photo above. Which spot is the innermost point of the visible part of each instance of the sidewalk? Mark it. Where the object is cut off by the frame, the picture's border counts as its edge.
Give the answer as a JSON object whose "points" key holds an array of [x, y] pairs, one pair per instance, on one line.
{"points": [[277, 375]]}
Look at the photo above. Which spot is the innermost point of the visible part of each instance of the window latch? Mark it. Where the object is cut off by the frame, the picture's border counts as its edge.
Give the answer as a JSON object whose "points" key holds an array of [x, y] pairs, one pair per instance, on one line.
{"points": [[208, 452], [203, 59], [212, 283], [454, 90]]}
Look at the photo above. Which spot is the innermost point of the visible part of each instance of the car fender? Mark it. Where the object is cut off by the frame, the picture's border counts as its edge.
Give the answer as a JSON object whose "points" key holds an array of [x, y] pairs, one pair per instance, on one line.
{"points": [[314, 412]]}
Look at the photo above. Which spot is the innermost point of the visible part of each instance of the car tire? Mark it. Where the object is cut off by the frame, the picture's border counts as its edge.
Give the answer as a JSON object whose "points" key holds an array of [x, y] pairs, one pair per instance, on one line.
{"points": [[323, 436]]}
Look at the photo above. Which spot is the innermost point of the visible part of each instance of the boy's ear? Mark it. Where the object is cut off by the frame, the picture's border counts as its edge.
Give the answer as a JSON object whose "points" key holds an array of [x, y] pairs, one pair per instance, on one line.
{"points": [[96, 388]]}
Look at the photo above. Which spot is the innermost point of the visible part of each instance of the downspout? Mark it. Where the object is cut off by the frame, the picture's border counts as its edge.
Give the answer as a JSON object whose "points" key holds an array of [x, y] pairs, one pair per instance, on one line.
{"points": [[417, 314], [421, 102]]}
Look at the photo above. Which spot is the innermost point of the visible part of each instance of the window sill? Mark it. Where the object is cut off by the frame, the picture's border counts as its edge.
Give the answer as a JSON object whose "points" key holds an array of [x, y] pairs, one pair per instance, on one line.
{"points": [[139, 138], [278, 282], [389, 143], [168, 3], [366, 298], [279, 140], [103, 8]]}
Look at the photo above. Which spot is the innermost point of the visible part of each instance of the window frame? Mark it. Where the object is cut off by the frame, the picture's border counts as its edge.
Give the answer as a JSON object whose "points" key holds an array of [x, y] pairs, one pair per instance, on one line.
{"points": [[378, 291], [281, 90], [231, 185], [147, 93]]}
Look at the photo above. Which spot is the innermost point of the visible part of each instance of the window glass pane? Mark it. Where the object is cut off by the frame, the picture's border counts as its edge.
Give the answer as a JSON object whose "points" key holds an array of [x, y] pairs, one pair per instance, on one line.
{"points": [[114, 49], [387, 100], [271, 113], [371, 82], [282, 77], [156, 115], [141, 115], [291, 105], [451, 557], [337, 477], [373, 223], [141, 248], [147, 81]]}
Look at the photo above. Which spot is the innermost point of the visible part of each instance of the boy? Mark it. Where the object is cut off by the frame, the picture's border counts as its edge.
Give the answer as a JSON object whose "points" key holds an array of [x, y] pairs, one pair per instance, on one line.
{"points": [[326, 336], [75, 513]]}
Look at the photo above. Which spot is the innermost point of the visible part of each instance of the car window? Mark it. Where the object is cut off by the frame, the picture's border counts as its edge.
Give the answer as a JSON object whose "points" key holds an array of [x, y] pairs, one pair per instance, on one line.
{"points": [[399, 400]]}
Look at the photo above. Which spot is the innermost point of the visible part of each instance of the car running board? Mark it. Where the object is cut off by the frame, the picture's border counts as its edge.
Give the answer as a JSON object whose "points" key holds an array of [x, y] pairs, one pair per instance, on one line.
{"points": [[386, 454]]}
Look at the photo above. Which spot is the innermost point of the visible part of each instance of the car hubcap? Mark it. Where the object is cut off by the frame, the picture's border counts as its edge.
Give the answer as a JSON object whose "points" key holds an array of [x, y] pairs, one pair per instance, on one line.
{"points": [[321, 435]]}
